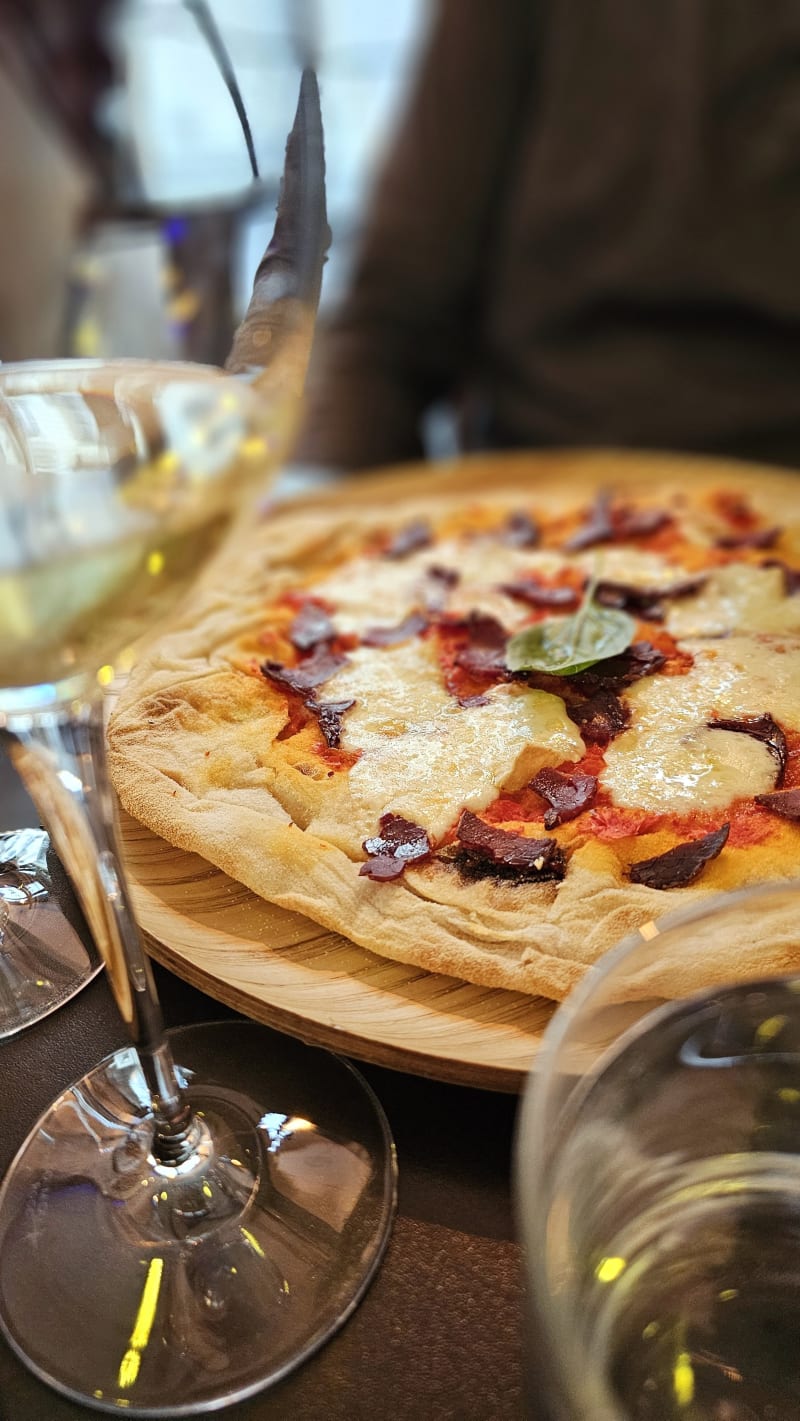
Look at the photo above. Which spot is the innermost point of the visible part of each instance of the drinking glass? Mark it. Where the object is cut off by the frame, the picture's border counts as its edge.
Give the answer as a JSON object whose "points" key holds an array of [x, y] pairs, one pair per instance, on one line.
{"points": [[46, 956], [658, 1175], [201, 1211]]}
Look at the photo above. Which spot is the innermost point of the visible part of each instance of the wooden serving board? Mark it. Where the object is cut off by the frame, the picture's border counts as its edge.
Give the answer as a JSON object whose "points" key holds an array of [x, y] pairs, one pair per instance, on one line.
{"points": [[283, 969]]}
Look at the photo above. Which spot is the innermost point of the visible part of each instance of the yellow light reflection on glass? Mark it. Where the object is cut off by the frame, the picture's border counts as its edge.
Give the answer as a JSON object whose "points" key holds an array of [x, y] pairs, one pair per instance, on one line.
{"points": [[105, 675], [253, 448], [140, 1336], [86, 338], [769, 1029], [609, 1268], [184, 307], [789, 1095], [253, 1242], [155, 563], [683, 1379], [727, 1294]]}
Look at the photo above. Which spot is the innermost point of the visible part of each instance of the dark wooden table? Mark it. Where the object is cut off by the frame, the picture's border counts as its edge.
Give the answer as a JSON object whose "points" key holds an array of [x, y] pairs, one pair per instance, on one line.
{"points": [[438, 1336]]}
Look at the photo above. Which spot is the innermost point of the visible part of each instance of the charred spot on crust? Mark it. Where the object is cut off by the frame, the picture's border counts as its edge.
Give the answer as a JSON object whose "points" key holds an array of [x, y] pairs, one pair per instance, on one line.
{"points": [[681, 865]]}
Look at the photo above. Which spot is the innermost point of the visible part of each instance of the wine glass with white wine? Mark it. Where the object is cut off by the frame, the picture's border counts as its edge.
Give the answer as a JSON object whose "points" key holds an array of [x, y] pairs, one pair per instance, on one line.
{"points": [[658, 1174], [200, 1212]]}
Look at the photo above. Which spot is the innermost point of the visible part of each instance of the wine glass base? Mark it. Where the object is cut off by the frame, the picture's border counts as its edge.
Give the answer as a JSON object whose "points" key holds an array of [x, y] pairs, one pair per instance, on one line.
{"points": [[34, 983], [168, 1291], [44, 960]]}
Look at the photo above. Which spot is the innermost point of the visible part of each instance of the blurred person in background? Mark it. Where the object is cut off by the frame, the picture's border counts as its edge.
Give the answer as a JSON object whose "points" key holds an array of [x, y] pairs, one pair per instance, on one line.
{"points": [[587, 231]]}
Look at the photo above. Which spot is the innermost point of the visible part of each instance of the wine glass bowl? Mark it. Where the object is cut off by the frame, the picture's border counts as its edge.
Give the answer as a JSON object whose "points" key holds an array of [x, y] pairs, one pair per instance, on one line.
{"points": [[117, 481]]}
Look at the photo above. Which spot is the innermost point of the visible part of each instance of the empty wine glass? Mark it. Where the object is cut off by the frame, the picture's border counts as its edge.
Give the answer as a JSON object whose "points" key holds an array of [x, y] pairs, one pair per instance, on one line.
{"points": [[45, 957], [198, 1213]]}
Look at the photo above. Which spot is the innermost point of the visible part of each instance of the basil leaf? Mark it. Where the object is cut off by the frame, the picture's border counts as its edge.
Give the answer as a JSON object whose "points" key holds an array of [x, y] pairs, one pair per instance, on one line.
{"points": [[563, 646]]}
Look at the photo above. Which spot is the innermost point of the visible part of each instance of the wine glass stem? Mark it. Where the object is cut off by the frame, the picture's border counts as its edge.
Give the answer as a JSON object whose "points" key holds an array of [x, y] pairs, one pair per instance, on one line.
{"points": [[61, 760]]}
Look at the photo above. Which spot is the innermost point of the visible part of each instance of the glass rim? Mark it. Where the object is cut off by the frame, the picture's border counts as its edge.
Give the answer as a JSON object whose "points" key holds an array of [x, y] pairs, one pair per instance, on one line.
{"points": [[90, 363], [535, 1123], [601, 971]]}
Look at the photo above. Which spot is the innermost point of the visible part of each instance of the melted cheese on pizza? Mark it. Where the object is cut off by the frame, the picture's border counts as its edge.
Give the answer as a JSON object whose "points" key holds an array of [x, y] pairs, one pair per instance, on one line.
{"points": [[634, 566], [738, 597], [373, 592], [425, 756], [669, 761]]}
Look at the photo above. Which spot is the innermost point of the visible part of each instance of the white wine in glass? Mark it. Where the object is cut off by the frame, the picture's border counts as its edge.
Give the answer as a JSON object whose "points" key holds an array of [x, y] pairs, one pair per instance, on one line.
{"points": [[201, 1211], [658, 1175]]}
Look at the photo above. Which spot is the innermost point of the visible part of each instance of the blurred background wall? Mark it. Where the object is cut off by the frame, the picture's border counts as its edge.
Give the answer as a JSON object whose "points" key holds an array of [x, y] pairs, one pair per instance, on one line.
{"points": [[108, 290]]}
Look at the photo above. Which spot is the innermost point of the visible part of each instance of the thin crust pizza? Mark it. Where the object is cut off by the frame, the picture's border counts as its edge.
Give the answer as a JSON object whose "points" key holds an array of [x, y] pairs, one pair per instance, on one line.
{"points": [[491, 719]]}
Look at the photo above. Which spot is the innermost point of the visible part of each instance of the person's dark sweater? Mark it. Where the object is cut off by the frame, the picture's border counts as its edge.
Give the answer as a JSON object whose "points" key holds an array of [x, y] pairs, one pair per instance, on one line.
{"points": [[587, 232]]}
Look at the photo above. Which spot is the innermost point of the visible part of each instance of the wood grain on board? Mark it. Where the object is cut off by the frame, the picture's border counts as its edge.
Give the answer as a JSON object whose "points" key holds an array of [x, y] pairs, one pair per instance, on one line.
{"points": [[282, 969]]}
